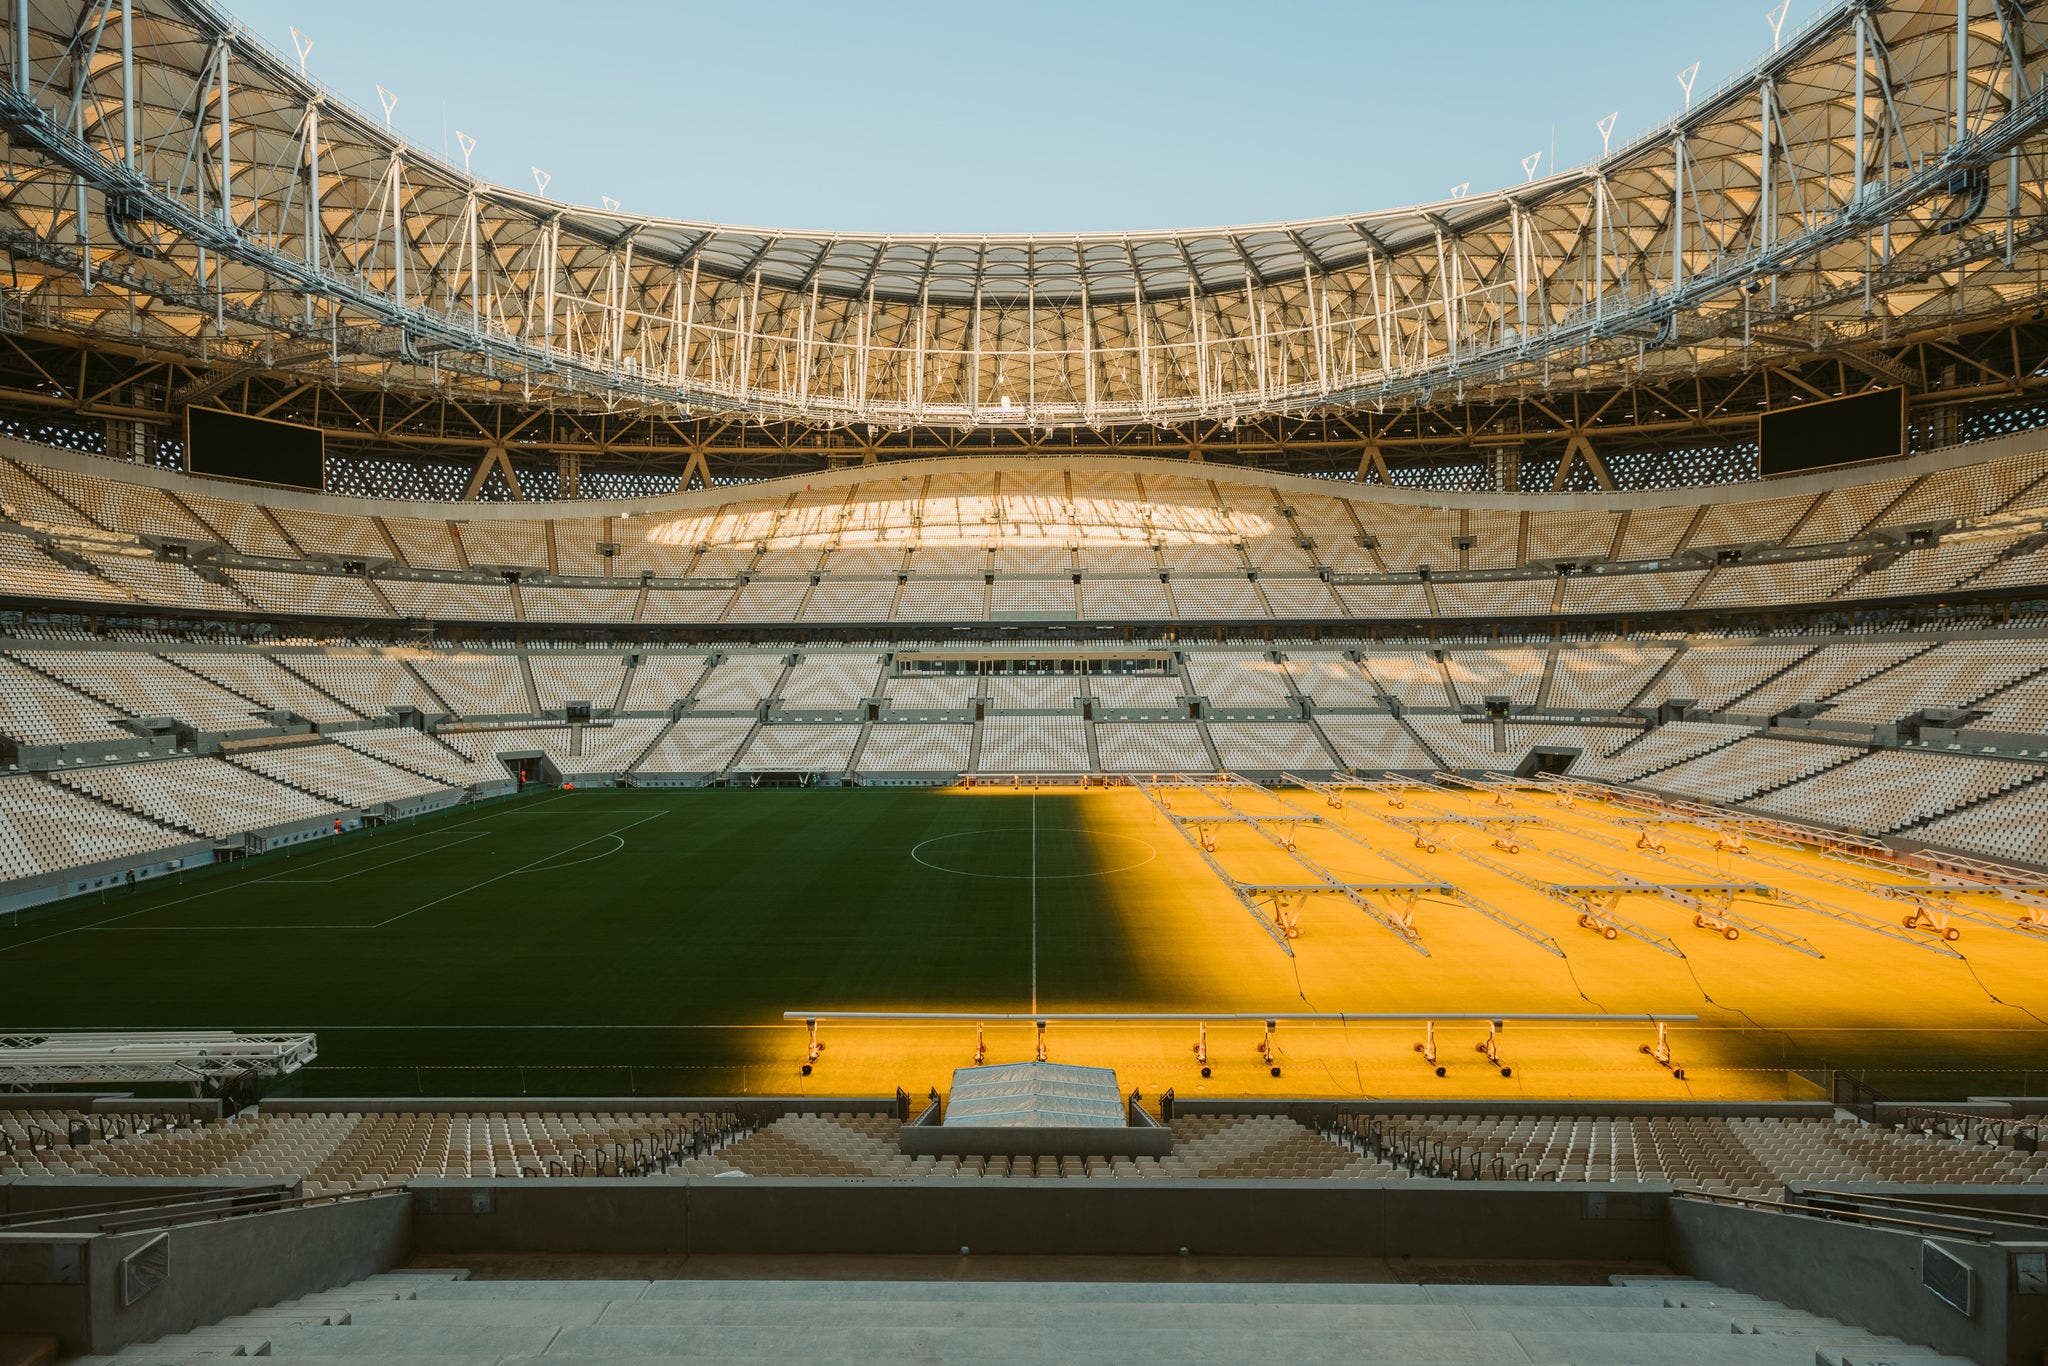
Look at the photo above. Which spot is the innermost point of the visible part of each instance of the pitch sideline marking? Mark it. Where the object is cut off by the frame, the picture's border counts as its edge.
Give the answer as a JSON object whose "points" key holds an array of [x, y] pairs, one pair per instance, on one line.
{"points": [[376, 867], [511, 872], [236, 886], [1034, 903], [380, 924]]}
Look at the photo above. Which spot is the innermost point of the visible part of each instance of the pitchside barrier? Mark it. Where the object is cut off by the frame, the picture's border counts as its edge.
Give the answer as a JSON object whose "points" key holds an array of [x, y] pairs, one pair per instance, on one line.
{"points": [[1489, 1047]]}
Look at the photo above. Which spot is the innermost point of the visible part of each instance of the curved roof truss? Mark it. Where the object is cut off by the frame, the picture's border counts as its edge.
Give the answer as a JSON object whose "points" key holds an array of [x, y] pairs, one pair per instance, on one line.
{"points": [[170, 178]]}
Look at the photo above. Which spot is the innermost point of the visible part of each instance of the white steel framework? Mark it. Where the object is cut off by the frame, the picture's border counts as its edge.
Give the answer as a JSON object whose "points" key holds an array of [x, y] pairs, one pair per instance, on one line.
{"points": [[172, 181]]}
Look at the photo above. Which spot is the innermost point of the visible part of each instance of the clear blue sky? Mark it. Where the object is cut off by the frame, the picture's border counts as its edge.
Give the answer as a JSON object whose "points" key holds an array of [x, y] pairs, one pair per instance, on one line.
{"points": [[956, 115]]}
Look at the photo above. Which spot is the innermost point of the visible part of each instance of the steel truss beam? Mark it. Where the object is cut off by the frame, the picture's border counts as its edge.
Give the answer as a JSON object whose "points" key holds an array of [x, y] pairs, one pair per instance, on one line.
{"points": [[168, 177]]}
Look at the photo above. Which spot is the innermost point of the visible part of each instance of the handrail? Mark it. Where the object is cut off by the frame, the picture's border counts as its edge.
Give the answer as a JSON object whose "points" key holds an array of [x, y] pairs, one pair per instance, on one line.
{"points": [[140, 1202], [1836, 1215], [111, 1225], [2023, 1217]]}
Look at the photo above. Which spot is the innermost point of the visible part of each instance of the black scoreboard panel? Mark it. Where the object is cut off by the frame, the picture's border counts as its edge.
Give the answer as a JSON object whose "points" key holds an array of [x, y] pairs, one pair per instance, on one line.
{"points": [[255, 449], [1835, 431]]}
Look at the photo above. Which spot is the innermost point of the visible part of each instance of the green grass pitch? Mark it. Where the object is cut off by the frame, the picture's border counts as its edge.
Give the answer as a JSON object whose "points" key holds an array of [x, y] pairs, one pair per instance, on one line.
{"points": [[596, 942]]}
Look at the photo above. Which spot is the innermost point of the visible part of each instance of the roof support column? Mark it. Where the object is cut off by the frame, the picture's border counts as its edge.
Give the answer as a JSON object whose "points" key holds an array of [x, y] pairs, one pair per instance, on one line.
{"points": [[1599, 248], [313, 227], [974, 375], [1144, 353], [227, 142], [128, 84], [1087, 345], [689, 326], [1677, 213], [1861, 109], [1963, 69]]}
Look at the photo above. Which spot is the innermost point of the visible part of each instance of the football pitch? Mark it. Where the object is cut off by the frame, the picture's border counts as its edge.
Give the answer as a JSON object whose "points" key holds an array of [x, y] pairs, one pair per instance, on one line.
{"points": [[648, 942]]}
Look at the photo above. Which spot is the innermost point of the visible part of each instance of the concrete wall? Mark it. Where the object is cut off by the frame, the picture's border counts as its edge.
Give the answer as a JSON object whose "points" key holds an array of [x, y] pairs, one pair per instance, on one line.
{"points": [[1313, 1112], [69, 1285], [1862, 1275], [1059, 1141], [1022, 1215], [231, 1266], [756, 1109]]}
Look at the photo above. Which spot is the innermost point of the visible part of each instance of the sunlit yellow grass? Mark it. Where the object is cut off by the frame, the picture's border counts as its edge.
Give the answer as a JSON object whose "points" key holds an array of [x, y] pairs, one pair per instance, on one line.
{"points": [[1764, 1010]]}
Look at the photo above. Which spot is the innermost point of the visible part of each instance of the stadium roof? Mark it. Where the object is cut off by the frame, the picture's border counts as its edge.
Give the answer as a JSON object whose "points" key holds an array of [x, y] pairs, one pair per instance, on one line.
{"points": [[172, 183]]}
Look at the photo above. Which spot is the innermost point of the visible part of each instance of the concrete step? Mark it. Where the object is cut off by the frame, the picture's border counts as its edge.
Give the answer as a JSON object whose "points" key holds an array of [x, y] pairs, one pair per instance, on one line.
{"points": [[1047, 1292], [851, 1315]]}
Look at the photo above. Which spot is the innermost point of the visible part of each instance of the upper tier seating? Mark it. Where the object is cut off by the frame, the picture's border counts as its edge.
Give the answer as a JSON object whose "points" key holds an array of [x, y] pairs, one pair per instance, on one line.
{"points": [[830, 682], [265, 681], [1413, 678], [1950, 675], [144, 685], [931, 692], [661, 681], [1238, 678], [562, 678], [739, 683], [1039, 692], [477, 685], [1135, 692], [1713, 676], [1331, 680], [946, 530], [371, 684], [37, 710]]}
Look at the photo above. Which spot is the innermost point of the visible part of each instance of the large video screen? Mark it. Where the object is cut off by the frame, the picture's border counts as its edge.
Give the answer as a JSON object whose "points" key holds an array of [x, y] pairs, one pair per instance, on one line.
{"points": [[256, 449], [1835, 431]]}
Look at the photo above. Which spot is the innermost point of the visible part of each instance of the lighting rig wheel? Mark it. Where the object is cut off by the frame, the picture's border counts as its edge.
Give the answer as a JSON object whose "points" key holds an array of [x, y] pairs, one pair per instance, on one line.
{"points": [[1585, 922], [1731, 933], [1699, 922], [1608, 932], [1951, 934], [1910, 921]]}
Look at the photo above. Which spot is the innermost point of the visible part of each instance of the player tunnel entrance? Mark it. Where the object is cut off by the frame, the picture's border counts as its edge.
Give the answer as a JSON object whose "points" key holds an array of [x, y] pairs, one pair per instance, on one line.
{"points": [[1547, 759], [531, 766]]}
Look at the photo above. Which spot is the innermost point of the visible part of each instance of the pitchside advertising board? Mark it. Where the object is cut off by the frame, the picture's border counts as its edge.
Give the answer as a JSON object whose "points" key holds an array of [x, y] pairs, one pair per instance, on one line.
{"points": [[257, 450], [1834, 431]]}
